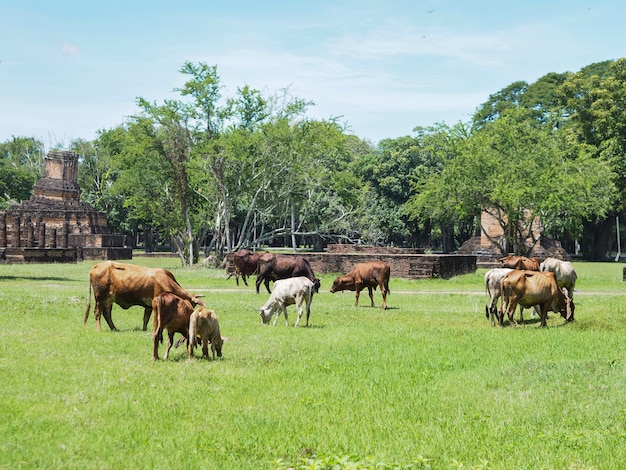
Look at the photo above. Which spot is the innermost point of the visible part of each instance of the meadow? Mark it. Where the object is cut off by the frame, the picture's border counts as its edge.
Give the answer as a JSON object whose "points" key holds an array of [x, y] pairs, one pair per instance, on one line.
{"points": [[428, 383]]}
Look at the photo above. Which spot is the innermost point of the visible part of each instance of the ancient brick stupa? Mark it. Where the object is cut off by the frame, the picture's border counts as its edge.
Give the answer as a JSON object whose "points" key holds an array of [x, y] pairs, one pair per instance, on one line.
{"points": [[54, 225]]}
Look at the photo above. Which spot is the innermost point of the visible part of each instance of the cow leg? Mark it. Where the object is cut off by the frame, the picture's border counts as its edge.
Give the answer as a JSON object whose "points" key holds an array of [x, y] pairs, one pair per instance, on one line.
{"points": [[156, 338], [383, 291], [107, 316], [170, 341], [308, 308], [146, 317], [357, 292], [205, 346], [258, 282], [299, 300], [267, 285], [245, 281], [283, 307], [544, 314], [371, 293]]}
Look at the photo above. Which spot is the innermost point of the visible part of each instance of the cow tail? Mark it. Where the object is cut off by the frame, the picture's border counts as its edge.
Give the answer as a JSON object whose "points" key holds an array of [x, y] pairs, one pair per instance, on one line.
{"points": [[156, 321], [88, 306]]}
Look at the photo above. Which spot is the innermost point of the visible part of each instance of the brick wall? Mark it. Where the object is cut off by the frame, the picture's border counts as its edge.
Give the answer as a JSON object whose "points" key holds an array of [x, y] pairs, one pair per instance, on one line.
{"points": [[408, 266]]}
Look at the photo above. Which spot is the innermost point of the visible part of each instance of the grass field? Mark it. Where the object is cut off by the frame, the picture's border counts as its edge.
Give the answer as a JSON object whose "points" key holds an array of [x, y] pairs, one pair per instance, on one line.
{"points": [[426, 384]]}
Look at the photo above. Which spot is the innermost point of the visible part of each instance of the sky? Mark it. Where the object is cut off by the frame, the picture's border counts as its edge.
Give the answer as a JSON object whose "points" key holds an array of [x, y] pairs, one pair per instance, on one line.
{"points": [[381, 68]]}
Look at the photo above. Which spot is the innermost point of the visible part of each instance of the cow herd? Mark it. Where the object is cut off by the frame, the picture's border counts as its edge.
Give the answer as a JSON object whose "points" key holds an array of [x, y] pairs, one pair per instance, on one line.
{"points": [[522, 281], [545, 287], [178, 311]]}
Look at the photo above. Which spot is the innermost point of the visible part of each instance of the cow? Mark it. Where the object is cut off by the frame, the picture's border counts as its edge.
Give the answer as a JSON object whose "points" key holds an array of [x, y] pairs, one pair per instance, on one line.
{"points": [[273, 267], [171, 313], [528, 288], [493, 288], [245, 265], [371, 275], [128, 285], [290, 291], [563, 271], [203, 325], [519, 262]]}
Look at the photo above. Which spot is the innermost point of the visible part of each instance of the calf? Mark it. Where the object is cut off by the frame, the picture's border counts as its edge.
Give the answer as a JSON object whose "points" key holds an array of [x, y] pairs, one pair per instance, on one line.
{"points": [[528, 288], [203, 324], [362, 275], [171, 313], [293, 290], [564, 273]]}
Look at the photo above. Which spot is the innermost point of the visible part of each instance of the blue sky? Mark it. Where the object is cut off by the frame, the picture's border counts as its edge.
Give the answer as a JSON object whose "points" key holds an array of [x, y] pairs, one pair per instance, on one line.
{"points": [[70, 68]]}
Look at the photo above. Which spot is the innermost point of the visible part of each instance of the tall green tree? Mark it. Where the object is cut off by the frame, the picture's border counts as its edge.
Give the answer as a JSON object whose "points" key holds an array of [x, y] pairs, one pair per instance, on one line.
{"points": [[21, 165], [526, 176]]}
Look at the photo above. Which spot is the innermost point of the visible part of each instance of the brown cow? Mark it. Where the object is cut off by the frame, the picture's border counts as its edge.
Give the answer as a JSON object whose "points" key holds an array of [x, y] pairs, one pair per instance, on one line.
{"points": [[203, 325], [370, 275], [528, 288], [171, 313], [245, 265], [274, 267], [519, 262], [128, 285]]}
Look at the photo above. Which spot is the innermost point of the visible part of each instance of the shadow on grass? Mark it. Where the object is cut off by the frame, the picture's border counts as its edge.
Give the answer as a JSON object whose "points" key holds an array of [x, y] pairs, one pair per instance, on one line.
{"points": [[35, 278]]}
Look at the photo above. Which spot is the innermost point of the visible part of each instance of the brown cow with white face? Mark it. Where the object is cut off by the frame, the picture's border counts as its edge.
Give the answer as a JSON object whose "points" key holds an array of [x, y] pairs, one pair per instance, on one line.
{"points": [[371, 275], [528, 288], [128, 285]]}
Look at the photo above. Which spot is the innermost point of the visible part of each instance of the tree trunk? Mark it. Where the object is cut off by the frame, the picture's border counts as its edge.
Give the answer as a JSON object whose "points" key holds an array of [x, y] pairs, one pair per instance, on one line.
{"points": [[597, 238]]}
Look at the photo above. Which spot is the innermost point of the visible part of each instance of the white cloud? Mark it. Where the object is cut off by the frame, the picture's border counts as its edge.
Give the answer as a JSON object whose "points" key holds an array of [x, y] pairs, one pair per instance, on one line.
{"points": [[69, 49]]}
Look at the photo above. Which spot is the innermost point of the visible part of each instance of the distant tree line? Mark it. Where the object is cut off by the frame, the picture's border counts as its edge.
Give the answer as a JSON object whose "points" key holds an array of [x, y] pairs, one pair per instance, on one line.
{"points": [[213, 173]]}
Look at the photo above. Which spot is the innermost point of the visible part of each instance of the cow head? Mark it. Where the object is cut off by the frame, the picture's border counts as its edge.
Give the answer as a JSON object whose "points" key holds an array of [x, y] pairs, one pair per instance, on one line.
{"points": [[342, 283], [568, 312], [566, 305], [266, 313]]}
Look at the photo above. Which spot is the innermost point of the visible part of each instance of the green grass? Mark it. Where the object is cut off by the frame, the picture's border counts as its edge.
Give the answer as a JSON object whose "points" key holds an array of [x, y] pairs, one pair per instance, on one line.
{"points": [[426, 384]]}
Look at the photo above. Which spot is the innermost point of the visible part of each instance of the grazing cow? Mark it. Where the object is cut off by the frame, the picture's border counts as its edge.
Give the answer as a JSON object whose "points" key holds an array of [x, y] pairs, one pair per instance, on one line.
{"points": [[171, 313], [245, 265], [128, 285], [493, 277], [293, 290], [564, 273], [528, 288], [519, 262], [203, 324], [371, 275], [273, 267]]}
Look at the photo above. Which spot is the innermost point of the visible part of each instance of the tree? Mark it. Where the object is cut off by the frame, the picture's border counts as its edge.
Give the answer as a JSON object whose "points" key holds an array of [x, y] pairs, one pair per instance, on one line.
{"points": [[21, 165], [524, 175]]}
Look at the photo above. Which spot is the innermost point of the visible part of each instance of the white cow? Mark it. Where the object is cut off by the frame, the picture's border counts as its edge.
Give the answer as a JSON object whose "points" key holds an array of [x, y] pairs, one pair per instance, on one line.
{"points": [[493, 287], [564, 273], [293, 290]]}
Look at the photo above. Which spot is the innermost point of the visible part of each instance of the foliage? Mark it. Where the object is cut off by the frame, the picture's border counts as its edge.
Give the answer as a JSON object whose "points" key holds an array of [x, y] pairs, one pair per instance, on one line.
{"points": [[523, 175], [21, 165]]}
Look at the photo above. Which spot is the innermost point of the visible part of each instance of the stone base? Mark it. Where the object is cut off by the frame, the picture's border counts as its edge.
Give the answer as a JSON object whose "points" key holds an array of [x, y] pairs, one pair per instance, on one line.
{"points": [[61, 255]]}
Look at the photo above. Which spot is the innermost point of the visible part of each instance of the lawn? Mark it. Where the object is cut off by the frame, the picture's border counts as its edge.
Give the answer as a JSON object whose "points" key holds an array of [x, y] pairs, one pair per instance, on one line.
{"points": [[426, 384]]}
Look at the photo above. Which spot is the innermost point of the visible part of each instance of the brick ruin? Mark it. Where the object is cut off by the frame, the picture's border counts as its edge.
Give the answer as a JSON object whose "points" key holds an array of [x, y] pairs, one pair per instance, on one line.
{"points": [[488, 253], [54, 225]]}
